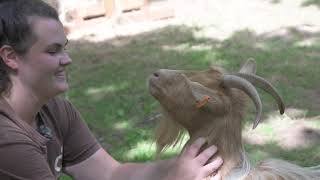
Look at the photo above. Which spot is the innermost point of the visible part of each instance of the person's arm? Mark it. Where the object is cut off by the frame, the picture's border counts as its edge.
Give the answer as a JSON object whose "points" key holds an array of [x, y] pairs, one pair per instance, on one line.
{"points": [[84, 159], [188, 166]]}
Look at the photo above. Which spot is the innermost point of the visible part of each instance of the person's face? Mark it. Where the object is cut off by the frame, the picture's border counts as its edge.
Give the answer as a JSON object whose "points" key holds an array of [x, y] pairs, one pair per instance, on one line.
{"points": [[42, 68]]}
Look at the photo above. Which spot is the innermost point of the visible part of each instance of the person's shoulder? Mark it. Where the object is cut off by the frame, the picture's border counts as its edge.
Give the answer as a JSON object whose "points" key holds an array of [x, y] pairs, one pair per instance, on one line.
{"points": [[10, 132], [7, 125], [57, 102], [21, 156], [61, 112], [58, 105]]}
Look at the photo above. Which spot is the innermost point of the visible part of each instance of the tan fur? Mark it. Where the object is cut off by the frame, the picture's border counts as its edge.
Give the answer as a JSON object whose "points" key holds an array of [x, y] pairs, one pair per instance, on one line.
{"points": [[220, 121], [168, 132]]}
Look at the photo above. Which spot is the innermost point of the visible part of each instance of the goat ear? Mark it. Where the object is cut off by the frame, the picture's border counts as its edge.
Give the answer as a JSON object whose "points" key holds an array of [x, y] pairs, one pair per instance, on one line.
{"points": [[249, 67], [201, 95]]}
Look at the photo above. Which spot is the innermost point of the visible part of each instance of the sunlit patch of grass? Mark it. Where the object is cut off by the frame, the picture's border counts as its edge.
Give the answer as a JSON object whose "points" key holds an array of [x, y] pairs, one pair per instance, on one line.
{"points": [[188, 47], [144, 150], [121, 125], [106, 89], [266, 129]]}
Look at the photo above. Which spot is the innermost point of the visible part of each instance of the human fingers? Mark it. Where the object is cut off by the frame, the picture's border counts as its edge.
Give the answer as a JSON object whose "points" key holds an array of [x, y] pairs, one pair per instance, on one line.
{"points": [[212, 167], [194, 148], [216, 177], [204, 156]]}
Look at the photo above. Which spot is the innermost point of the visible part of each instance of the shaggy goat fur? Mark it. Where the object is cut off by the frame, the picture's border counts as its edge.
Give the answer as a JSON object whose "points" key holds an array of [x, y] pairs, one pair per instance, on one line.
{"points": [[219, 119]]}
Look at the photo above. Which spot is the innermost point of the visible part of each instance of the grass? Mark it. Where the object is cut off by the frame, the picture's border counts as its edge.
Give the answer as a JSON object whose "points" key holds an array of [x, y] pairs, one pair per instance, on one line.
{"points": [[108, 83], [311, 2]]}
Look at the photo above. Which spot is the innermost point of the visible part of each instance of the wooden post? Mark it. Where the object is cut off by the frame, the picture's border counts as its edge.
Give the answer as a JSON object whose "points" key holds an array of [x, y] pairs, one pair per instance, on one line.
{"points": [[109, 7], [112, 7], [146, 2]]}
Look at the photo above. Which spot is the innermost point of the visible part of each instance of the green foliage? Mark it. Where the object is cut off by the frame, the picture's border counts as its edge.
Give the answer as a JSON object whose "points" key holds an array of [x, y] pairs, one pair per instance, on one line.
{"points": [[311, 2]]}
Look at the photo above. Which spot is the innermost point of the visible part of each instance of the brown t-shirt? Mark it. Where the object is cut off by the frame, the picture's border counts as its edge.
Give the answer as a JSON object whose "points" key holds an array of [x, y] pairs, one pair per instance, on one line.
{"points": [[62, 139]]}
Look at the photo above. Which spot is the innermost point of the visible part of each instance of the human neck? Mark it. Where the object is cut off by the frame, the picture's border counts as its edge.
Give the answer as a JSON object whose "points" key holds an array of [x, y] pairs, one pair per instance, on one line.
{"points": [[25, 103], [227, 140]]}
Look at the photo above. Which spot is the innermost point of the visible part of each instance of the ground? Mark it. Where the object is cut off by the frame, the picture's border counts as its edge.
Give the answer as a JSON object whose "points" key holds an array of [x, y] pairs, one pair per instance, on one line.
{"points": [[292, 132]]}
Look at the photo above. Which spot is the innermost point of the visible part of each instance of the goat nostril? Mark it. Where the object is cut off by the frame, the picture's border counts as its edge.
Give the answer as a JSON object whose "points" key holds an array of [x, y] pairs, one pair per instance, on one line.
{"points": [[156, 74]]}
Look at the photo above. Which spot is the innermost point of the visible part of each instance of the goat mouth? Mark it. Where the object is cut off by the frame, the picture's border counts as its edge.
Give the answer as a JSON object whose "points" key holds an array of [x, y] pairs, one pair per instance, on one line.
{"points": [[153, 81], [154, 87]]}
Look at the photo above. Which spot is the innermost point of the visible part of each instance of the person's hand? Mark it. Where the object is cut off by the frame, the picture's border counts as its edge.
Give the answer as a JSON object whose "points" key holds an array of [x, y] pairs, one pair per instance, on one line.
{"points": [[191, 165]]}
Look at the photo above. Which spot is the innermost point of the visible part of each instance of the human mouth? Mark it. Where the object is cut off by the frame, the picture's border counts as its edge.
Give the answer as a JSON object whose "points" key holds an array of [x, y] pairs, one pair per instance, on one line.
{"points": [[61, 75]]}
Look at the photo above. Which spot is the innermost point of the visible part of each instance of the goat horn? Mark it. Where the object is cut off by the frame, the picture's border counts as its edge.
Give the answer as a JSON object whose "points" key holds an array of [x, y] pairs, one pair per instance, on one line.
{"points": [[266, 86], [233, 81]]}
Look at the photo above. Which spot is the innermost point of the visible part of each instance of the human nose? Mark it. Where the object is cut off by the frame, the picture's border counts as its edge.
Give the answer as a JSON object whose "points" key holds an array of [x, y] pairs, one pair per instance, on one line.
{"points": [[65, 59]]}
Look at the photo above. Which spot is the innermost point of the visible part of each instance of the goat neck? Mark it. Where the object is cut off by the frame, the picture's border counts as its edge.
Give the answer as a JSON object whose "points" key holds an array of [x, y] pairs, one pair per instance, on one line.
{"points": [[224, 132]]}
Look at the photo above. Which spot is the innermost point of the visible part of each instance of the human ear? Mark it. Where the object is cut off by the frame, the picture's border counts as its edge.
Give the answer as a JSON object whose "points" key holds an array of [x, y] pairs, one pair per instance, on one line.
{"points": [[9, 56]]}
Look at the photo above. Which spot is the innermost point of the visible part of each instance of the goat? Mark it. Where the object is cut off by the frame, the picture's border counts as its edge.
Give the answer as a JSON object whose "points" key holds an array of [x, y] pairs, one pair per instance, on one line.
{"points": [[212, 104]]}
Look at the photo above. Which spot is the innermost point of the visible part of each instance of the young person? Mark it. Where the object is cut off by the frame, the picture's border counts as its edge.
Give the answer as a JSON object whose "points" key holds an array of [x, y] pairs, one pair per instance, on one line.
{"points": [[42, 135]]}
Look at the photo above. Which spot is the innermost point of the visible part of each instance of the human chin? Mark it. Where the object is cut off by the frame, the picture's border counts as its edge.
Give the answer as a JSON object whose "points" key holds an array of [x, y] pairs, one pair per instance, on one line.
{"points": [[61, 85], [64, 86]]}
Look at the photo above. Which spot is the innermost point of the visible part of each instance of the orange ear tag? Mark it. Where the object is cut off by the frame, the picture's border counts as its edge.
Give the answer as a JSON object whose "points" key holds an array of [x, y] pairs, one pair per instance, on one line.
{"points": [[203, 101]]}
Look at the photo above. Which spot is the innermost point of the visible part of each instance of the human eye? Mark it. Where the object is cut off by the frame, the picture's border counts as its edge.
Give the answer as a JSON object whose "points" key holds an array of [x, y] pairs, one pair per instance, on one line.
{"points": [[54, 50]]}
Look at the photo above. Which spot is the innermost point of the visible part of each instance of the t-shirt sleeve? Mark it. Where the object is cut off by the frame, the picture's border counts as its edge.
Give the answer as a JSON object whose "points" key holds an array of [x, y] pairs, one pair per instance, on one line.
{"points": [[78, 142], [22, 160]]}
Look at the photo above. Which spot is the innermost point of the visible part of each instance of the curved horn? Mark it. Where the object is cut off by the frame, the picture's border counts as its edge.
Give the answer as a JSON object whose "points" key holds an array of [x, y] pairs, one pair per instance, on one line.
{"points": [[266, 86], [233, 81]]}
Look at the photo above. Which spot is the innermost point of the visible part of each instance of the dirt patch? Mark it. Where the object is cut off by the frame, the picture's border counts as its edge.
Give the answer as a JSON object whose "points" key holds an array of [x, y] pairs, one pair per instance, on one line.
{"points": [[289, 132], [220, 19], [297, 136], [256, 139]]}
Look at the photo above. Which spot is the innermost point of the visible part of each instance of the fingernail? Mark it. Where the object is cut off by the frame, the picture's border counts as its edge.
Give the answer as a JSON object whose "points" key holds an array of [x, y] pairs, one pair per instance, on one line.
{"points": [[213, 148], [201, 140], [220, 160]]}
